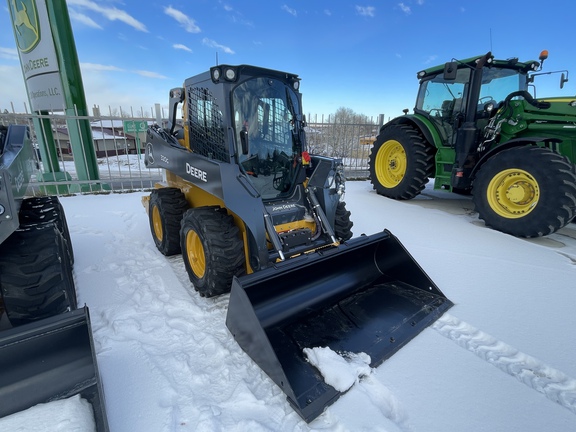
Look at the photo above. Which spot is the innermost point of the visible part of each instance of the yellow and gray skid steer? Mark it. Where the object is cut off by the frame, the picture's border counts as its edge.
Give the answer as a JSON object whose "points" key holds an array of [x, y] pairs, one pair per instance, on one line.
{"points": [[255, 215]]}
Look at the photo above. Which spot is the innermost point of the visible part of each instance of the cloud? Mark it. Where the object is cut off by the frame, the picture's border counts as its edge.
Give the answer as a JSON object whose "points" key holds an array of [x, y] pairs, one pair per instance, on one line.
{"points": [[404, 8], [288, 9], [100, 67], [213, 44], [96, 67], [149, 74], [9, 53], [431, 59], [369, 11], [181, 47], [185, 21], [83, 19], [110, 13], [327, 12]]}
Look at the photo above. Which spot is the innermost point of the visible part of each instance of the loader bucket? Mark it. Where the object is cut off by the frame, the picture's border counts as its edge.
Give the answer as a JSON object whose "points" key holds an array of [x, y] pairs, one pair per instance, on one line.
{"points": [[48, 360], [368, 295]]}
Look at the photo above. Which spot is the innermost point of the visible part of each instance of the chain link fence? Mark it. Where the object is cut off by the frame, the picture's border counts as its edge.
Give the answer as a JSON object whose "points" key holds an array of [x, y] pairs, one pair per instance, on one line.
{"points": [[119, 150]]}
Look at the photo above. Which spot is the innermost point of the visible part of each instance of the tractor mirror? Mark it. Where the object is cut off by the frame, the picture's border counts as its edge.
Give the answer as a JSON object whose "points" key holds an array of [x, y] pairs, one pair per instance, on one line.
{"points": [[244, 140], [450, 70], [563, 79]]}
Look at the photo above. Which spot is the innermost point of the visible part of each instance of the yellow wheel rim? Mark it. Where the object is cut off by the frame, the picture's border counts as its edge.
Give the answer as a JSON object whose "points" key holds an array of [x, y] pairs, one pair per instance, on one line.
{"points": [[195, 253], [513, 193], [390, 164], [157, 223]]}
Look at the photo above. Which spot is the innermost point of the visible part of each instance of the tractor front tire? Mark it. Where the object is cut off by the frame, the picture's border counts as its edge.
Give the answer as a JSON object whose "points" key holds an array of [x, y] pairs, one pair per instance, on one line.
{"points": [[212, 250], [401, 161], [36, 277], [342, 223], [166, 207], [526, 191]]}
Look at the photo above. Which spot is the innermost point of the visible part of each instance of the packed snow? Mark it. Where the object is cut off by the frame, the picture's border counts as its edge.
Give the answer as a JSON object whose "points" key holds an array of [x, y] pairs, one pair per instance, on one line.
{"points": [[502, 359], [66, 415]]}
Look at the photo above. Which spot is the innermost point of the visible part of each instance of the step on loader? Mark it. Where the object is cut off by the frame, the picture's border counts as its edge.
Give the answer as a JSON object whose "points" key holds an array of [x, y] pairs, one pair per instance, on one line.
{"points": [[254, 214], [46, 346]]}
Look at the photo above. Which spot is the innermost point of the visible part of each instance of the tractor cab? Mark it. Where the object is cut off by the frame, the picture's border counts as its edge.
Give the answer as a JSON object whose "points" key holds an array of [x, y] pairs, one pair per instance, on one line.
{"points": [[459, 92]]}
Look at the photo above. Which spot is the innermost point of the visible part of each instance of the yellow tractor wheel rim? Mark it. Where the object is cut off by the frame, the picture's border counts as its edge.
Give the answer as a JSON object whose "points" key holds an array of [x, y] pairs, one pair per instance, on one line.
{"points": [[390, 164], [513, 193], [195, 252], [157, 223]]}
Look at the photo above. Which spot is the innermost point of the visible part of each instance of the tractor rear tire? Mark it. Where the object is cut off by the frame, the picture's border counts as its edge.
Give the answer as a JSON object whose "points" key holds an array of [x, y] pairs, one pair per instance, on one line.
{"points": [[342, 223], [526, 191], [36, 277], [165, 211], [212, 250], [401, 162]]}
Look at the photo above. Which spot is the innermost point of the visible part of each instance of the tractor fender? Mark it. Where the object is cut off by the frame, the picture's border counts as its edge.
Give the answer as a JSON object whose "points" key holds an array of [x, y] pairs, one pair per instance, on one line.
{"points": [[422, 124], [516, 142]]}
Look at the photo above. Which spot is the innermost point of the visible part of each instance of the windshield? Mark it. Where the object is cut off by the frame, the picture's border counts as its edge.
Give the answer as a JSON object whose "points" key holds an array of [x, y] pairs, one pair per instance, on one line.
{"points": [[266, 110], [499, 83]]}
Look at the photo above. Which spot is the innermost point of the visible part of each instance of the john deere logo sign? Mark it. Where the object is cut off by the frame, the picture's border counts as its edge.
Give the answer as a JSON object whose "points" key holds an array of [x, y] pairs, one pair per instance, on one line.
{"points": [[37, 51], [26, 24]]}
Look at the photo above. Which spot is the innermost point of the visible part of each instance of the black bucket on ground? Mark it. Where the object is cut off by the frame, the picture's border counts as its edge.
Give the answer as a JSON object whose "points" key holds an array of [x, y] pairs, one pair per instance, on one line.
{"points": [[50, 359], [368, 295]]}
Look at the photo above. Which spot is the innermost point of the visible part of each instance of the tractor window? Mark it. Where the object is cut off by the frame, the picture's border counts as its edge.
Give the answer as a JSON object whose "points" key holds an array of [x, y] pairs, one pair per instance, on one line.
{"points": [[499, 83], [265, 110], [438, 95], [444, 101]]}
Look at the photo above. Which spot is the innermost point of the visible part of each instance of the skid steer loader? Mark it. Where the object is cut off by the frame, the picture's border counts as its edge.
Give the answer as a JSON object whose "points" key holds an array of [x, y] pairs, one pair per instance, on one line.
{"points": [[46, 347], [255, 215]]}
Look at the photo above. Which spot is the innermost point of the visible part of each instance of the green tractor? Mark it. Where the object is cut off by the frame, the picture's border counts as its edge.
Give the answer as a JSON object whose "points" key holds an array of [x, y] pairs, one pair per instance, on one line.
{"points": [[476, 129]]}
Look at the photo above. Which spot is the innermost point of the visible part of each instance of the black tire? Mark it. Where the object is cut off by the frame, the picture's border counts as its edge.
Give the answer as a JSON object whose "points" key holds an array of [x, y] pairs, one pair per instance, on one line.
{"points": [[42, 210], [526, 191], [401, 161], [36, 278], [212, 250], [166, 207], [342, 223]]}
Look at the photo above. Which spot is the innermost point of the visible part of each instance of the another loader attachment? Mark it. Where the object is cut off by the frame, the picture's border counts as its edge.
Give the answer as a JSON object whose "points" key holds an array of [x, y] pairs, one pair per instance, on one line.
{"points": [[48, 360], [368, 295]]}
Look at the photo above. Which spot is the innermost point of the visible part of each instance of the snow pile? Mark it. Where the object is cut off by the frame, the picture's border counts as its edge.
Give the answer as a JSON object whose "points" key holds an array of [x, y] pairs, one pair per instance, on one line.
{"points": [[339, 371], [343, 370], [67, 415]]}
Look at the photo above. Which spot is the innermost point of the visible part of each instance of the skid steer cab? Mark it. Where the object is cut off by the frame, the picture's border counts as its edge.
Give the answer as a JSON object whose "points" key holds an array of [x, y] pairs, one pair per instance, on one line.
{"points": [[255, 215]]}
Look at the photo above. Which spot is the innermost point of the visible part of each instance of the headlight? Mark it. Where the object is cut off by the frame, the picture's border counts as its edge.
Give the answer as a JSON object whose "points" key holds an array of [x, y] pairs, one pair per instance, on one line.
{"points": [[230, 74], [216, 74]]}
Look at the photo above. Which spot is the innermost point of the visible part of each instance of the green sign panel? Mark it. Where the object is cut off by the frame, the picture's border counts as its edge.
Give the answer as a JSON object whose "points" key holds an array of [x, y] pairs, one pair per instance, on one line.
{"points": [[135, 126]]}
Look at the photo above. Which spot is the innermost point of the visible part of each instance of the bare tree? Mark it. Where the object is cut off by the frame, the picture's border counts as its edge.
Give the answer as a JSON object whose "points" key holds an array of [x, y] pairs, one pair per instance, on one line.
{"points": [[340, 136]]}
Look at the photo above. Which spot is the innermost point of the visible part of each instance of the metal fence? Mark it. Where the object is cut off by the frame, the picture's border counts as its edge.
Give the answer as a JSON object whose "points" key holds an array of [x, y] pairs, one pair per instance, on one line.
{"points": [[120, 153]]}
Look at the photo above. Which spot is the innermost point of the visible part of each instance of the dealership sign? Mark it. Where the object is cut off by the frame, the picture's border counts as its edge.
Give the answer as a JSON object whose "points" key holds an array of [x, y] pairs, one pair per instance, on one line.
{"points": [[37, 54]]}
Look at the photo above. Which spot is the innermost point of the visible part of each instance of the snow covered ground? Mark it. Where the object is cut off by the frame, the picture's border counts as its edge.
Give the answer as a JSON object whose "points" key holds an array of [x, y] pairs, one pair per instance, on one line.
{"points": [[502, 359]]}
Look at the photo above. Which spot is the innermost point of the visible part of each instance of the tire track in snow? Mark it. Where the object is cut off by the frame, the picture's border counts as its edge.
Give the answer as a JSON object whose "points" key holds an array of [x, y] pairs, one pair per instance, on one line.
{"points": [[554, 384], [207, 383]]}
